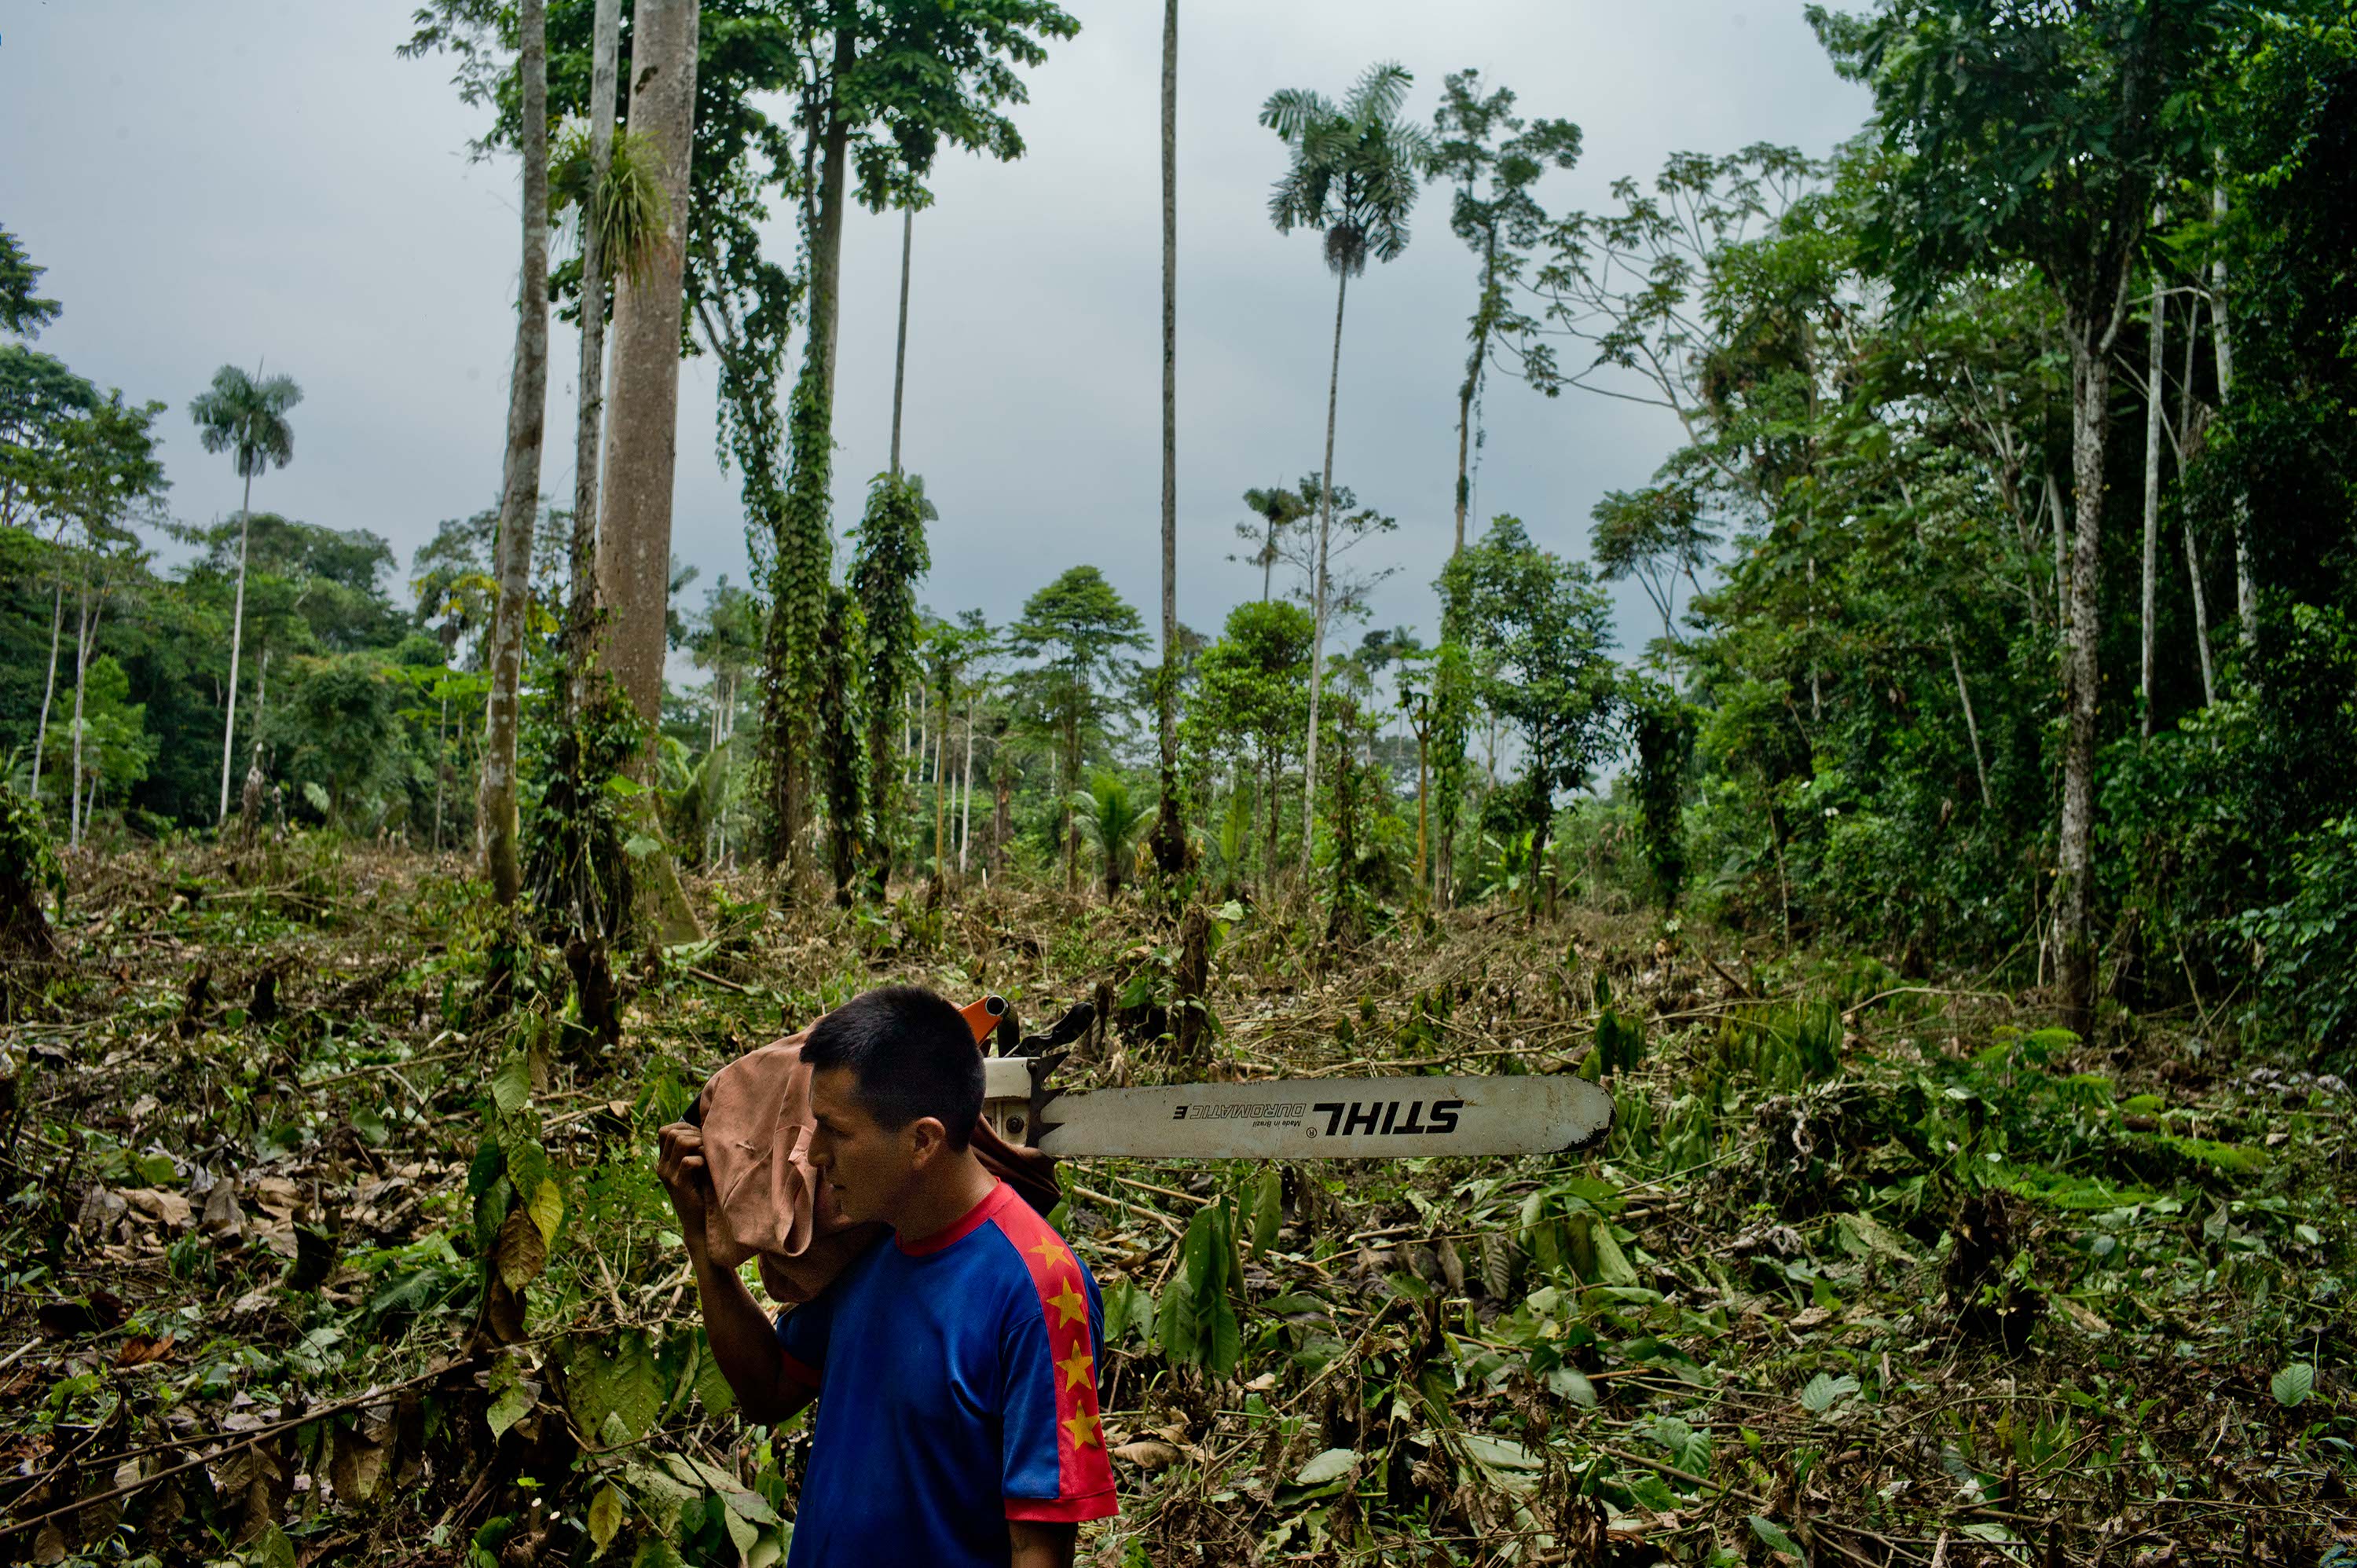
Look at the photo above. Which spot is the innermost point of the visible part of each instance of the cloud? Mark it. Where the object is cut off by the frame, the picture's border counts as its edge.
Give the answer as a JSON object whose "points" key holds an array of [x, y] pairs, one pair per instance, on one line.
{"points": [[269, 182]]}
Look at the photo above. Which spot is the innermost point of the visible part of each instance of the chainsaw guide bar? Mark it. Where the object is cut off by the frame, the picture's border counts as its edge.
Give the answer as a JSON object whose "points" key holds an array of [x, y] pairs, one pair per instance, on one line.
{"points": [[1297, 1118]]}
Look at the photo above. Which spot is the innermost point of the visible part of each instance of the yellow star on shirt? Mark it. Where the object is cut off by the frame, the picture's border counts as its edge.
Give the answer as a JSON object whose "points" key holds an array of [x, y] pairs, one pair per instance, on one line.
{"points": [[1075, 1368], [1083, 1428], [1071, 1303], [1049, 1250]]}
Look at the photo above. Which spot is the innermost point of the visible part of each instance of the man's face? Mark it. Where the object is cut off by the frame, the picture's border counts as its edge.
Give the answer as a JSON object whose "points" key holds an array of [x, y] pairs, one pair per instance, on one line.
{"points": [[867, 1166]]}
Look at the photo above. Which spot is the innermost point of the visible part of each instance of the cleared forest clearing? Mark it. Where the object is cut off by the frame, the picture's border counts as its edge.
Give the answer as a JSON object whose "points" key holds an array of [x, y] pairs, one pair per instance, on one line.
{"points": [[1872, 1270]]}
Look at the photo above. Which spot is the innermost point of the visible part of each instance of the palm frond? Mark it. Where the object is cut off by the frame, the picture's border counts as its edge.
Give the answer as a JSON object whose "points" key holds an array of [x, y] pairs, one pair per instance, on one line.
{"points": [[1379, 92], [1292, 110]]}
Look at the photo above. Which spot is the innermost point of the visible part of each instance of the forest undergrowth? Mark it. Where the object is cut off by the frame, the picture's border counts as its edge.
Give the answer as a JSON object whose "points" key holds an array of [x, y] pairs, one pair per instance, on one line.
{"points": [[311, 1254]]}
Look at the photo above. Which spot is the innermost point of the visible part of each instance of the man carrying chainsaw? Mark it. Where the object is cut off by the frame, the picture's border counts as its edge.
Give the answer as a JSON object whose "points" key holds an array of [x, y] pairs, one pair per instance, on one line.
{"points": [[958, 1352]]}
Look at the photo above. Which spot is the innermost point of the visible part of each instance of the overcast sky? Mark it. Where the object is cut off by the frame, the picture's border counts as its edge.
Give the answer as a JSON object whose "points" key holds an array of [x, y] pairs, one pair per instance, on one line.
{"points": [[263, 180]]}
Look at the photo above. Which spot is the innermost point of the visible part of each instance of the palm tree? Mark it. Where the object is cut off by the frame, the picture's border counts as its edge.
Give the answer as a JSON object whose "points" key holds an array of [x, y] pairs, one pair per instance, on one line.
{"points": [[1106, 814], [245, 415], [1355, 177], [1278, 510]]}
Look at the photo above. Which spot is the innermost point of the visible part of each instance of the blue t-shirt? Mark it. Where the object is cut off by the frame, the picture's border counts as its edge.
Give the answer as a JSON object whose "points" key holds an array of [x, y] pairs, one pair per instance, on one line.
{"points": [[960, 1392]]}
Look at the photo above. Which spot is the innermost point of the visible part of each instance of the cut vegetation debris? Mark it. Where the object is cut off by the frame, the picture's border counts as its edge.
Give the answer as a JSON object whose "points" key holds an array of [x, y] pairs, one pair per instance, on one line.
{"points": [[1856, 1274]]}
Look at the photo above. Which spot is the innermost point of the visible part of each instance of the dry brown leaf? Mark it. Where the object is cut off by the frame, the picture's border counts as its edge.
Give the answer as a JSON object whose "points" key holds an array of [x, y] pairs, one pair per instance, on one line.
{"points": [[167, 1208], [1147, 1454], [140, 1350]]}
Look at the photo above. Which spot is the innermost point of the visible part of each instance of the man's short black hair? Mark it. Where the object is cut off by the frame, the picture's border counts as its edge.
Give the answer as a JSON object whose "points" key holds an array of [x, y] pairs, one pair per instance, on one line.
{"points": [[910, 1053]]}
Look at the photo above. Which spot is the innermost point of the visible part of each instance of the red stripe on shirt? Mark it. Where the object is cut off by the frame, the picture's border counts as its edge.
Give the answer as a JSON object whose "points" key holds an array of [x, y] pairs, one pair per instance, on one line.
{"points": [[1083, 1474]]}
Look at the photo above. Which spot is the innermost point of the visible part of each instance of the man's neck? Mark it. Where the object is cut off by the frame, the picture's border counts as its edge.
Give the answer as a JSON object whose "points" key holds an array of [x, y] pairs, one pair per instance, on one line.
{"points": [[947, 1196]]}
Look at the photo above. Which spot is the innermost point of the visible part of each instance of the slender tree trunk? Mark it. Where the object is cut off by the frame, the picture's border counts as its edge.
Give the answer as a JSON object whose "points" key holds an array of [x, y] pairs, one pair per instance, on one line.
{"points": [[1470, 389], [1972, 724], [581, 613], [519, 492], [1002, 809], [81, 673], [2081, 674], [1268, 562], [2154, 369], [1423, 788], [941, 788], [1272, 768], [2221, 340], [1169, 831], [1318, 622], [965, 794], [1071, 771], [642, 436], [2062, 558], [2192, 553], [901, 352], [441, 766], [49, 687], [236, 644]]}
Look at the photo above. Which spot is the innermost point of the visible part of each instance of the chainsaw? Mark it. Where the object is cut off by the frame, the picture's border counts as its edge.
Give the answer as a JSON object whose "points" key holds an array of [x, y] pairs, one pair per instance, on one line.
{"points": [[1282, 1119]]}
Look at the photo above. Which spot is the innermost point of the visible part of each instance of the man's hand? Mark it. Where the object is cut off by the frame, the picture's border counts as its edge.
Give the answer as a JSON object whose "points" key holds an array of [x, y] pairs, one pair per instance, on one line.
{"points": [[680, 1166]]}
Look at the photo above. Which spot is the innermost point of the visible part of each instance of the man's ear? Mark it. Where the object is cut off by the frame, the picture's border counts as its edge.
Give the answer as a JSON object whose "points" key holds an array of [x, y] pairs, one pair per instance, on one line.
{"points": [[927, 1140]]}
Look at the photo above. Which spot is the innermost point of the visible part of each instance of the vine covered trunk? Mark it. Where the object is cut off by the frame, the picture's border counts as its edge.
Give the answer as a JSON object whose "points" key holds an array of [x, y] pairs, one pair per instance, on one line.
{"points": [[804, 544]]}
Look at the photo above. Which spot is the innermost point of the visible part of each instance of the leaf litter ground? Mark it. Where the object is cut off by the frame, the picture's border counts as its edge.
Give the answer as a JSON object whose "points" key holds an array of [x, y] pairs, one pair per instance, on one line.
{"points": [[311, 1255]]}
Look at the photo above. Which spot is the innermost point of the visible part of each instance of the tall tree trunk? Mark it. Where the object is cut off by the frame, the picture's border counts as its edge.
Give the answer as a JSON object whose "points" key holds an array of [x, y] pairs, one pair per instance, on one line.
{"points": [[643, 435], [49, 687], [804, 548], [1317, 621], [236, 644], [2154, 369], [581, 613], [1169, 831], [2246, 594], [2081, 674], [900, 350], [520, 488]]}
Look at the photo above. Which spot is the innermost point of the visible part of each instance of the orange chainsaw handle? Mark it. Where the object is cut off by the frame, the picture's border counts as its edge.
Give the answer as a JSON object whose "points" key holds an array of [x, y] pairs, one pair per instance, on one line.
{"points": [[982, 1016]]}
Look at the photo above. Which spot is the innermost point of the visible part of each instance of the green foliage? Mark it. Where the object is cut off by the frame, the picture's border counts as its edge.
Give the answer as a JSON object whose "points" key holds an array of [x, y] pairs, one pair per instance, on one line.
{"points": [[631, 211], [1082, 632], [1111, 820], [22, 312], [1537, 629], [2307, 945], [1197, 1320], [1663, 727], [29, 871]]}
